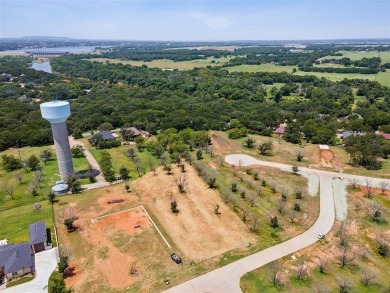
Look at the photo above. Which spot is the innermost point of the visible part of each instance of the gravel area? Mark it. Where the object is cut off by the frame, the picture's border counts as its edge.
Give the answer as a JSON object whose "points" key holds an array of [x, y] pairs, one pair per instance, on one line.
{"points": [[340, 198]]}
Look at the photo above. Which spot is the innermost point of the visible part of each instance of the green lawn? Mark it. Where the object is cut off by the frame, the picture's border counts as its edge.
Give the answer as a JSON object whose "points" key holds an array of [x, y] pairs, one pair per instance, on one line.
{"points": [[14, 222], [20, 281], [23, 190], [119, 158], [169, 64]]}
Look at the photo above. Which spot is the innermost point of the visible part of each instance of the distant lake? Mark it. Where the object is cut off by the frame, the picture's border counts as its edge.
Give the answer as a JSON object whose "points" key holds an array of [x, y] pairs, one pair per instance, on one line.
{"points": [[43, 66]]}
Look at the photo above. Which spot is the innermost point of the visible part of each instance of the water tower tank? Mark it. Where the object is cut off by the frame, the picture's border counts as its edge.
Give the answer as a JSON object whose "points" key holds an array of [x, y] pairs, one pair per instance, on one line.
{"points": [[56, 112]]}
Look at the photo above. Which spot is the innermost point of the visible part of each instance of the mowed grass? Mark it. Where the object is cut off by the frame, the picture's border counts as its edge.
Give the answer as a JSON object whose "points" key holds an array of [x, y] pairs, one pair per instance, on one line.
{"points": [[23, 190], [14, 222], [120, 159], [169, 64]]}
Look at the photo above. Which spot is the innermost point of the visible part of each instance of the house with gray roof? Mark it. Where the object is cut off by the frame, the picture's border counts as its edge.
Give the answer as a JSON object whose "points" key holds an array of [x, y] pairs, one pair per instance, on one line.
{"points": [[16, 260], [38, 236], [106, 135]]}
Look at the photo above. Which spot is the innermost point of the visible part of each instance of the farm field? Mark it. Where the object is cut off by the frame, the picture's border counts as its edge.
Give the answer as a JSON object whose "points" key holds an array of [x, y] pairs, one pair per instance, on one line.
{"points": [[362, 237], [261, 68], [14, 222], [23, 189], [169, 64]]}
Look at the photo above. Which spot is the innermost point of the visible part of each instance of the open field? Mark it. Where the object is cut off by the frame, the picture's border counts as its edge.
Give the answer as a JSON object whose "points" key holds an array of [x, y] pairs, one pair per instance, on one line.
{"points": [[381, 77], [169, 64], [14, 222], [23, 190], [357, 55], [227, 48], [261, 68], [362, 236], [285, 152]]}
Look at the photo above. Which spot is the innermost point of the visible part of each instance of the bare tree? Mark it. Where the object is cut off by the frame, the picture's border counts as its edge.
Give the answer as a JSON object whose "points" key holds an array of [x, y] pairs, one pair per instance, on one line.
{"points": [[220, 160], [276, 274], [322, 264], [252, 199], [321, 288], [249, 182], [344, 286], [182, 183], [133, 269], [255, 221], [345, 258], [354, 182], [344, 234], [152, 167], [369, 187], [10, 190], [233, 201], [375, 211], [19, 177], [292, 216], [281, 206], [301, 271], [368, 276], [384, 185]]}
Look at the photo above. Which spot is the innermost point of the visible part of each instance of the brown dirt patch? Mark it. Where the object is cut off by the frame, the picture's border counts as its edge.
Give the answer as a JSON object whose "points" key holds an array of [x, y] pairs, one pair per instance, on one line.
{"points": [[327, 155], [196, 230], [220, 145]]}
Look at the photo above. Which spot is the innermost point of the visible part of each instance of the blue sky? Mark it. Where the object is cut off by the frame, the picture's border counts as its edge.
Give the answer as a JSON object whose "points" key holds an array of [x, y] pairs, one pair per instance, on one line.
{"points": [[208, 20]]}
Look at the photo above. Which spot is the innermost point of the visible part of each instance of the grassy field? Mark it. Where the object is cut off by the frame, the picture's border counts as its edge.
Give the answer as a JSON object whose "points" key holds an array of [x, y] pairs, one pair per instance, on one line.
{"points": [[119, 158], [23, 190], [362, 242], [261, 68], [14, 222], [356, 55], [169, 64]]}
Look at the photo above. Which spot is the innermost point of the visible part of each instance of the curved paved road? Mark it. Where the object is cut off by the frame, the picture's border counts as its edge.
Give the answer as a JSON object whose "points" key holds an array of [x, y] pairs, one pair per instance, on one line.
{"points": [[227, 278]]}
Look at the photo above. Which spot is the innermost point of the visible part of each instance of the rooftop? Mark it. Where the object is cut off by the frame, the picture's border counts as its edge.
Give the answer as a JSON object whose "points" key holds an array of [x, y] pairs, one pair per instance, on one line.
{"points": [[37, 232], [15, 257]]}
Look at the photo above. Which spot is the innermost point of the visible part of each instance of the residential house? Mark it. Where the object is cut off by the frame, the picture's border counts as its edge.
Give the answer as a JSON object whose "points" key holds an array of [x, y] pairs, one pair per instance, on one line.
{"points": [[106, 135], [385, 135], [38, 236], [16, 260]]}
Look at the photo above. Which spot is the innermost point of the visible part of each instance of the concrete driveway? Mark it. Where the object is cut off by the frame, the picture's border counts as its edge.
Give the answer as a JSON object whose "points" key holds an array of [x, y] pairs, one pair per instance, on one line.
{"points": [[45, 264], [227, 278]]}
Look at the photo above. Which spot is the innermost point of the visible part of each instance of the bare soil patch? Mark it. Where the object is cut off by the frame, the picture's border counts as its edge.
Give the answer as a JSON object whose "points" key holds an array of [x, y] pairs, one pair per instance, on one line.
{"points": [[196, 229], [327, 155], [220, 145]]}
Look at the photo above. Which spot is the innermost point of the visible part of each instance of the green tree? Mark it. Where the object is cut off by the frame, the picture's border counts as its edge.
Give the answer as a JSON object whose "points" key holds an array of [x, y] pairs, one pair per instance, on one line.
{"points": [[199, 155], [32, 162], [250, 143], [63, 264], [52, 197], [10, 163], [74, 184], [57, 284], [124, 172], [265, 148], [46, 155]]}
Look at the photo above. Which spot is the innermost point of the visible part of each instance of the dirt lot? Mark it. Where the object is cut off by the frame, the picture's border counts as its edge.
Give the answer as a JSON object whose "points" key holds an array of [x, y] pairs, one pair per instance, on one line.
{"points": [[196, 230], [102, 251]]}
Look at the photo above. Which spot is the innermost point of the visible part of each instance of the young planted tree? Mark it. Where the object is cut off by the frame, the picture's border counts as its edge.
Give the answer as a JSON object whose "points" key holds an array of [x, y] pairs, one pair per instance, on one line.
{"points": [[295, 169], [274, 222], [354, 182], [384, 185], [281, 206], [124, 172], [52, 197], [127, 187], [234, 187], [199, 155], [174, 208], [345, 258], [344, 234], [368, 184], [10, 190], [32, 163], [69, 223], [322, 265], [63, 264], [182, 183], [74, 184], [276, 275], [301, 271], [46, 156], [265, 148], [367, 277], [250, 143], [212, 183], [19, 176], [255, 220], [299, 157], [130, 152]]}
